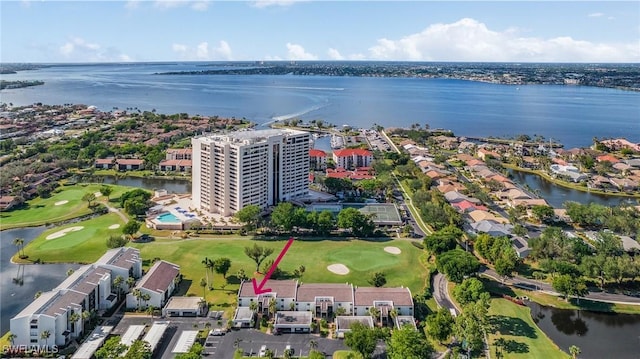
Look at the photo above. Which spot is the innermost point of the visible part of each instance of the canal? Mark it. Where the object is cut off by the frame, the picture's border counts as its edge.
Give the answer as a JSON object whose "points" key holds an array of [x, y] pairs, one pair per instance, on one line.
{"points": [[556, 195], [598, 335]]}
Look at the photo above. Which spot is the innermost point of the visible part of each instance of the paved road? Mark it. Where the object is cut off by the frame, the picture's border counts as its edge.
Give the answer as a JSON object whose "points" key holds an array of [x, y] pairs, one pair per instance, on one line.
{"points": [[531, 284], [441, 293]]}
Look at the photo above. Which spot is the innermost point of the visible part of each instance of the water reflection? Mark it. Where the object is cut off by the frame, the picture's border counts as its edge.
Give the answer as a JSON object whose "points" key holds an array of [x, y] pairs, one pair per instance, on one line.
{"points": [[20, 283], [172, 186], [599, 335], [556, 195]]}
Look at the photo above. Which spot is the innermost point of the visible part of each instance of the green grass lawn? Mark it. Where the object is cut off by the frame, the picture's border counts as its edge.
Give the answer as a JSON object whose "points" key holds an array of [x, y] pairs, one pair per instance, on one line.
{"points": [[524, 339], [361, 257], [346, 354], [40, 211], [83, 246]]}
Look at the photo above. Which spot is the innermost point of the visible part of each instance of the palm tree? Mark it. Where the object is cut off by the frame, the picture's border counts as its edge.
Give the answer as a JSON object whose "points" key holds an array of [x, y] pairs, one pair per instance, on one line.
{"points": [[375, 313], [11, 338], [37, 295], [253, 306], [85, 317], [203, 284], [45, 335], [574, 351], [208, 265], [313, 345], [19, 242], [137, 294], [73, 318], [145, 298], [131, 282], [150, 310], [117, 282], [272, 306], [70, 272]]}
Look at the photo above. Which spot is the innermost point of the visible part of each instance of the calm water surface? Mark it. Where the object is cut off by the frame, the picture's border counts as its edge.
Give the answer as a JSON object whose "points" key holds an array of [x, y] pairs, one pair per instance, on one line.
{"points": [[556, 196], [598, 335], [172, 186], [33, 278], [570, 114]]}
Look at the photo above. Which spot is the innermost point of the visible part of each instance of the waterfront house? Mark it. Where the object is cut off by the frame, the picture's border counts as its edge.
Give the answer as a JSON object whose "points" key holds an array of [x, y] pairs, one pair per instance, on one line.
{"points": [[127, 164], [104, 163]]}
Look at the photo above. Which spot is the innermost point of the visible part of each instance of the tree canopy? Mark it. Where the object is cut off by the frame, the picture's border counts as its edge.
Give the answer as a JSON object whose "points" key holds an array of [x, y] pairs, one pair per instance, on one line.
{"points": [[258, 254], [361, 340], [408, 343]]}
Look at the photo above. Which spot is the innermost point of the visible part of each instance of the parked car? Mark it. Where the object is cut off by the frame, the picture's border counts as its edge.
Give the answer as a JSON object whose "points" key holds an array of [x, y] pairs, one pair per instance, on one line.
{"points": [[217, 332], [263, 351]]}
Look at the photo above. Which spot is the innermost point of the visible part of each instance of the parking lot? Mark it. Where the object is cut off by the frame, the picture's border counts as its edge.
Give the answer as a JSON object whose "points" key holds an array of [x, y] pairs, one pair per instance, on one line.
{"points": [[251, 340]]}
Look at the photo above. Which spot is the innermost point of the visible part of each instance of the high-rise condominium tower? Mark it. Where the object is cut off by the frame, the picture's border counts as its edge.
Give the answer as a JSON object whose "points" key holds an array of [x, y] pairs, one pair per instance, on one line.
{"points": [[260, 167]]}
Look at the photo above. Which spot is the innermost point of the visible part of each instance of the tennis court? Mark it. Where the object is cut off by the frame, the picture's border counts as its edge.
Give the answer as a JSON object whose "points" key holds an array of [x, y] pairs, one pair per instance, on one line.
{"points": [[384, 213]]}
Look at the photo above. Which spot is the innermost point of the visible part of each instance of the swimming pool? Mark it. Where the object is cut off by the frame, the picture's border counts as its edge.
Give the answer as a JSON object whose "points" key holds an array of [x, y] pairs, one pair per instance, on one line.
{"points": [[167, 217]]}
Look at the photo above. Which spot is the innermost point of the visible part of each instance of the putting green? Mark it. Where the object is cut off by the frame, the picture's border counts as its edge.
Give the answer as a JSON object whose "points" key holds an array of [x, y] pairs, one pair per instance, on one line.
{"points": [[92, 228], [363, 258]]}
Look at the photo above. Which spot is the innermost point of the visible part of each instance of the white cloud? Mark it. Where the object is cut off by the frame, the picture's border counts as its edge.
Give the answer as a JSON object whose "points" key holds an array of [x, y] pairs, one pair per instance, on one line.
{"points": [[470, 40], [79, 50], [202, 51], [132, 4], [199, 5], [297, 52], [334, 54], [596, 14], [268, 3]]}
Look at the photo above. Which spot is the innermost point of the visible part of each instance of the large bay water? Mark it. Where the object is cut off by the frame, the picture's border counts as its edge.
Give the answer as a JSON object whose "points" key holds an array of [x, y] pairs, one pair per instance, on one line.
{"points": [[570, 114]]}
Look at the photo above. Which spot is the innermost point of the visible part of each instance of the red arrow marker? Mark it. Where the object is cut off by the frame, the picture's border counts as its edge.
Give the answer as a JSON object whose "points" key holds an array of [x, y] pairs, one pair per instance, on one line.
{"points": [[258, 288]]}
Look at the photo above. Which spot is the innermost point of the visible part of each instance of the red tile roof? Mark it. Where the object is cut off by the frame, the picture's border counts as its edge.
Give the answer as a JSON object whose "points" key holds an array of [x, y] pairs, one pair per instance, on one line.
{"points": [[348, 152], [129, 161], [317, 153]]}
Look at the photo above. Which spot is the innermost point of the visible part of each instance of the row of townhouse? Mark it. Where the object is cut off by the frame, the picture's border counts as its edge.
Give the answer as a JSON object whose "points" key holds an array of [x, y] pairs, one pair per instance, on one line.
{"points": [[176, 160], [322, 300], [91, 288]]}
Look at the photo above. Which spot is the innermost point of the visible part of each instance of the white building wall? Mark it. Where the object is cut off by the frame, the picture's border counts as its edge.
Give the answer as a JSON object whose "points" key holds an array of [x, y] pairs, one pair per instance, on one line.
{"points": [[253, 167]]}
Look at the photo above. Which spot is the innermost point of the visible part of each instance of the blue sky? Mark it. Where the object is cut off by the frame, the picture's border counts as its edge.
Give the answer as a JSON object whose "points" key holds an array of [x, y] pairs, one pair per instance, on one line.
{"points": [[521, 31]]}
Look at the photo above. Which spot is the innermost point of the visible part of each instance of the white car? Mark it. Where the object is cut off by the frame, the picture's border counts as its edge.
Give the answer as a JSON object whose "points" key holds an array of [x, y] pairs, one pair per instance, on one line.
{"points": [[263, 351]]}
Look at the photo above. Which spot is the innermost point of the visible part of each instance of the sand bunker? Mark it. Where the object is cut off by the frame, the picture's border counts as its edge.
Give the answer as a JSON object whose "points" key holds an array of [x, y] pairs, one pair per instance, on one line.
{"points": [[392, 250], [60, 203], [338, 268], [97, 194], [114, 226], [62, 232]]}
